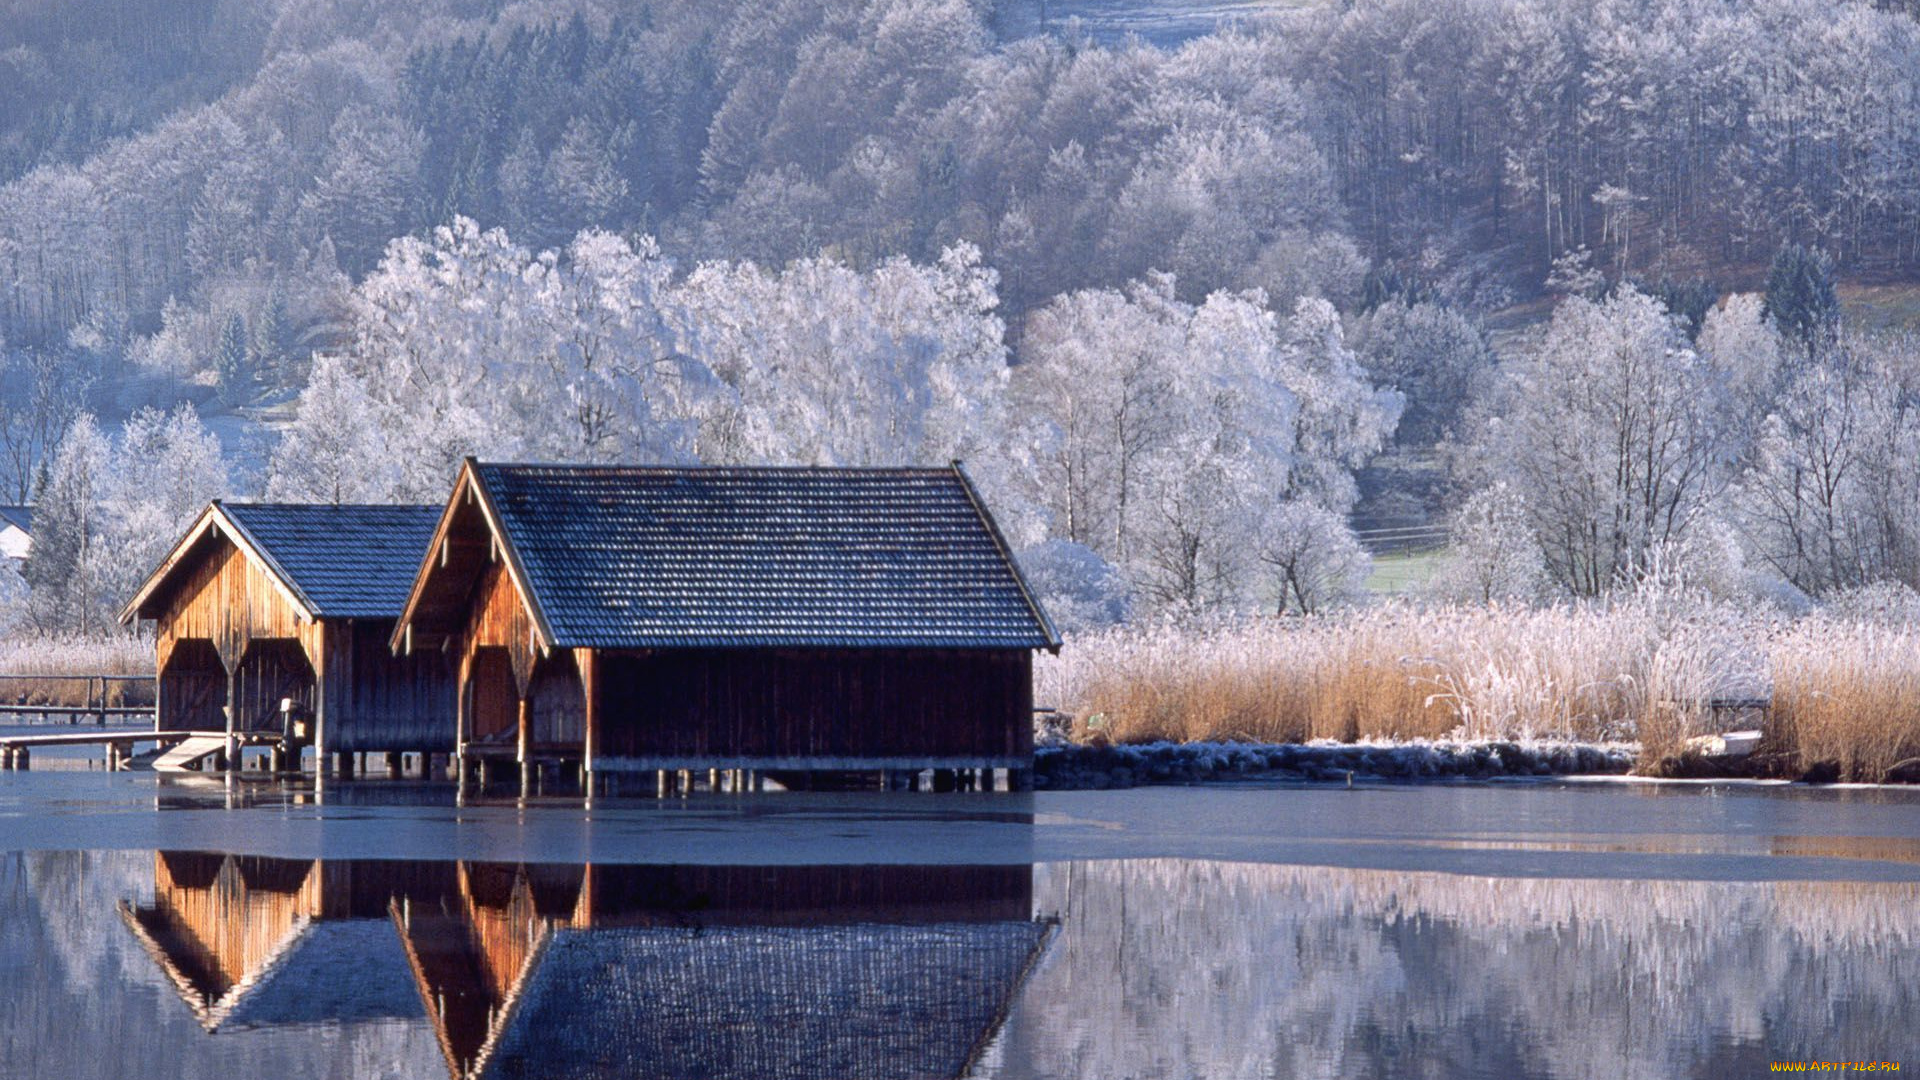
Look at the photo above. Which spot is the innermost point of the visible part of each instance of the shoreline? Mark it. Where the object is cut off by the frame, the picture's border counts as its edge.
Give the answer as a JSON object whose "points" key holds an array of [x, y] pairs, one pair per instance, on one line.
{"points": [[1084, 767], [1065, 766]]}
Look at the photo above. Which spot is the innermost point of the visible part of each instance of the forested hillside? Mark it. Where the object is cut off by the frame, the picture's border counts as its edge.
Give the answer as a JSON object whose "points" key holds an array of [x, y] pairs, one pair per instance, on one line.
{"points": [[905, 229]]}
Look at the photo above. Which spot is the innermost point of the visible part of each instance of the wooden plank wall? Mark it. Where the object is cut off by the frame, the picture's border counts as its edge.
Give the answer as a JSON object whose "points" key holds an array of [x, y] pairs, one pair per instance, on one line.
{"points": [[230, 601], [374, 700], [495, 707], [387, 702], [816, 703], [193, 688], [559, 713], [269, 672]]}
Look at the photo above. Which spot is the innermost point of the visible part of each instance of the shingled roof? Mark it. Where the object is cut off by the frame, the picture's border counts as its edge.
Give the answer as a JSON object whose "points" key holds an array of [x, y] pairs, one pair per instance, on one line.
{"points": [[642, 557], [20, 517], [337, 561], [352, 562]]}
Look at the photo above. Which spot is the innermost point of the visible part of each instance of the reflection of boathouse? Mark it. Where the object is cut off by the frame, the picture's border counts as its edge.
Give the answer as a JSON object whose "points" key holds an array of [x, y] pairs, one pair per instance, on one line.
{"points": [[644, 971], [723, 971], [264, 602], [258, 942], [732, 618]]}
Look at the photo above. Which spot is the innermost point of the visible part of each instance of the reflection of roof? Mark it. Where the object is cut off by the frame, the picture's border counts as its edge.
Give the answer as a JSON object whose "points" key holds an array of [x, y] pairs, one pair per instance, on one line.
{"points": [[345, 561], [340, 971], [780, 1003], [321, 971], [20, 517], [619, 557]]}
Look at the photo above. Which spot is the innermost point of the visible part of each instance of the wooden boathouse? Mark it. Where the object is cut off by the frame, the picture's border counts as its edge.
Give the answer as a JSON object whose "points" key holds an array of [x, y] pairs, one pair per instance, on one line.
{"points": [[266, 604], [630, 619]]}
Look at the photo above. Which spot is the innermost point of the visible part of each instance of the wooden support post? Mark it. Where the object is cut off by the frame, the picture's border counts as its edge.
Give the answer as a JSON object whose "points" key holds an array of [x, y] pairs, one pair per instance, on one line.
{"points": [[345, 769], [324, 678], [525, 733], [587, 660], [944, 780], [462, 712], [232, 752], [395, 766]]}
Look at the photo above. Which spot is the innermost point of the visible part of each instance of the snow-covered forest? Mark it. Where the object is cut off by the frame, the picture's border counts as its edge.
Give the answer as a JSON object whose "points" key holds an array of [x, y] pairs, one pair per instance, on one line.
{"points": [[1573, 271]]}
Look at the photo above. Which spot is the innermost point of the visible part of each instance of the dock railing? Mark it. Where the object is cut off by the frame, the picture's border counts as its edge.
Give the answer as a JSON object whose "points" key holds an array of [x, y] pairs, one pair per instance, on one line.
{"points": [[74, 698]]}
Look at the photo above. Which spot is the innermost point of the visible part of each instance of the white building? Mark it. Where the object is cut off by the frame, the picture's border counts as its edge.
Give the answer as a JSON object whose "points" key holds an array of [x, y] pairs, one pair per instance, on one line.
{"points": [[16, 531]]}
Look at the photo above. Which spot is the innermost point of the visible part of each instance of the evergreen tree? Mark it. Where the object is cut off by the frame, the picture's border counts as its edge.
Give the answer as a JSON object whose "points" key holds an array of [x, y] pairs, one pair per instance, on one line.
{"points": [[267, 350], [1801, 301], [230, 359], [62, 569]]}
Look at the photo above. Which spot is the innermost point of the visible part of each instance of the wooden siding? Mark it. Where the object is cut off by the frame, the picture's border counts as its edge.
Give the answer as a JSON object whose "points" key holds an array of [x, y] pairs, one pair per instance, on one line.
{"points": [[229, 600], [272, 670], [499, 619], [382, 701], [193, 687], [494, 706], [830, 704], [340, 671], [559, 713]]}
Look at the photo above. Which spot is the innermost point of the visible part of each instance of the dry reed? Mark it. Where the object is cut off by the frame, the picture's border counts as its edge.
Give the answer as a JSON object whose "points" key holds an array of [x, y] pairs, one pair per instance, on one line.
{"points": [[63, 660], [1645, 668]]}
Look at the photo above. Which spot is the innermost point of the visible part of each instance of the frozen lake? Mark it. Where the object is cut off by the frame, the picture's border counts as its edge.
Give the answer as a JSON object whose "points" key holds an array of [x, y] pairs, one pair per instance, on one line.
{"points": [[200, 928]]}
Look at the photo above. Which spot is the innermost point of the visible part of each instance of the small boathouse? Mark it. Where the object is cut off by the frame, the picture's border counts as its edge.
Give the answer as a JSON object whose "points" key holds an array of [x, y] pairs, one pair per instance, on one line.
{"points": [[263, 609], [629, 619]]}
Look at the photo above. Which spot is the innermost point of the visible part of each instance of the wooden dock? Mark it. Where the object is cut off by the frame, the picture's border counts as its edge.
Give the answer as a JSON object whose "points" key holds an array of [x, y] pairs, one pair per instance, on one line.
{"points": [[16, 751]]}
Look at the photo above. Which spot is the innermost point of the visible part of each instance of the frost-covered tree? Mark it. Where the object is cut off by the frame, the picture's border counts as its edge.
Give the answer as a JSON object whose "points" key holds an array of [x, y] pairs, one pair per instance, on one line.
{"points": [[467, 343], [14, 612], [67, 567], [40, 396], [108, 512], [230, 365], [1433, 355], [1164, 431], [1609, 429], [1079, 590], [827, 364], [1491, 557], [335, 450], [163, 470], [1312, 559], [1830, 500]]}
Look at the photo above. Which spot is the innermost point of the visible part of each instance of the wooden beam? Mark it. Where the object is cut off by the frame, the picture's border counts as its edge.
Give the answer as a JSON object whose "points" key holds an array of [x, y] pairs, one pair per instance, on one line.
{"points": [[323, 701], [585, 660], [521, 749]]}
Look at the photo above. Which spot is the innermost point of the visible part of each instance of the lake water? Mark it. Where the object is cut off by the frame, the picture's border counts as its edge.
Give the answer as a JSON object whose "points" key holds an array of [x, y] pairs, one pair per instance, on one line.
{"points": [[199, 928]]}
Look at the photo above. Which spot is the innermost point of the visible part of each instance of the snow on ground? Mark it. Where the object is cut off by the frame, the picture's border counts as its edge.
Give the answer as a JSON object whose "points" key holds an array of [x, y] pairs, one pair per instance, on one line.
{"points": [[1064, 766]]}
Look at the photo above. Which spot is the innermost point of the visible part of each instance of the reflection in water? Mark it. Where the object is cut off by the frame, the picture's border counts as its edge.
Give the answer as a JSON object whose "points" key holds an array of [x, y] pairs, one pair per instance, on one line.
{"points": [[570, 970], [1170, 968], [1145, 968]]}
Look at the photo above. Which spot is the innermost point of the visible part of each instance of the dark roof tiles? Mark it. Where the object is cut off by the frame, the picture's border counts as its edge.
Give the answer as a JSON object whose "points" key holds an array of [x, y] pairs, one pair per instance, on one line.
{"points": [[620, 557], [345, 562]]}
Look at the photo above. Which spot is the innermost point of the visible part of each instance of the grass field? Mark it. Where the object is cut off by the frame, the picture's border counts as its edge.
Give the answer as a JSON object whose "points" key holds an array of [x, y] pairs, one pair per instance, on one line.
{"points": [[1403, 574]]}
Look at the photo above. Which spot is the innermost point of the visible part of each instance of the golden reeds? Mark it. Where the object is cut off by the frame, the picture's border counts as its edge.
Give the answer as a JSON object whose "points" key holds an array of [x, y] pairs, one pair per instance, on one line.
{"points": [[1645, 668]]}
